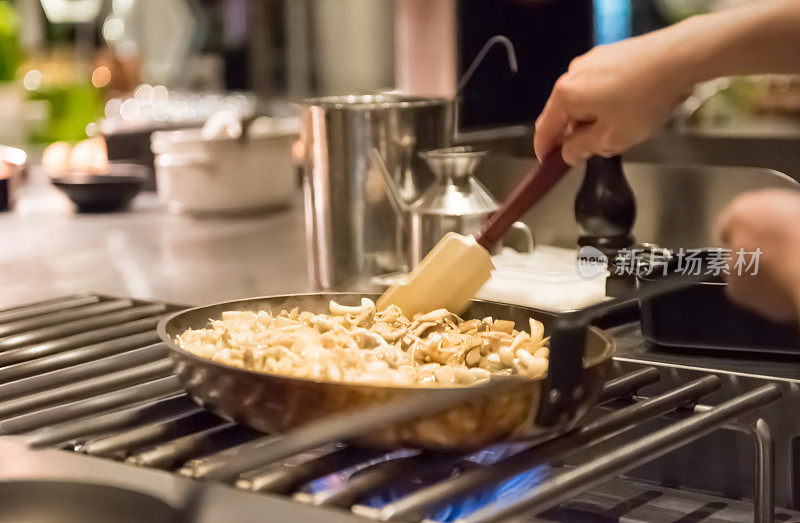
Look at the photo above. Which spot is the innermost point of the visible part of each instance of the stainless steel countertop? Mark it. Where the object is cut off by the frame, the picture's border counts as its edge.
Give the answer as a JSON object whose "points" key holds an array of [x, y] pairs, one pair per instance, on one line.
{"points": [[48, 250]]}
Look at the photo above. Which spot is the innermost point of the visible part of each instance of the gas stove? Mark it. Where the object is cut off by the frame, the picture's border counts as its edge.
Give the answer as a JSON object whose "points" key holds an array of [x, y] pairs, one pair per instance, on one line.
{"points": [[87, 395]]}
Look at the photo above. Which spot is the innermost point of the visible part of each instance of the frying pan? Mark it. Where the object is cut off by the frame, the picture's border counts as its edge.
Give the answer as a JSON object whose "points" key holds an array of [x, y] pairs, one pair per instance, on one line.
{"points": [[273, 403]]}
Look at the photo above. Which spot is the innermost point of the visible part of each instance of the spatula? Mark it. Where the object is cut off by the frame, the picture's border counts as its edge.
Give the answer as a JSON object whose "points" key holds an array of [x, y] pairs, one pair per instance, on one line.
{"points": [[458, 266]]}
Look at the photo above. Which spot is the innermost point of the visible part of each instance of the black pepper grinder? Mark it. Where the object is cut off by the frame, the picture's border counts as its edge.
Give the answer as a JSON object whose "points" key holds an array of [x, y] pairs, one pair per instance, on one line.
{"points": [[605, 209]]}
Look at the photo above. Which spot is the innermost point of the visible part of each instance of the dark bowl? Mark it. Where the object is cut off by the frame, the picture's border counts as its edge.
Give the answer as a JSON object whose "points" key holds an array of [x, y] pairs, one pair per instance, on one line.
{"points": [[106, 192]]}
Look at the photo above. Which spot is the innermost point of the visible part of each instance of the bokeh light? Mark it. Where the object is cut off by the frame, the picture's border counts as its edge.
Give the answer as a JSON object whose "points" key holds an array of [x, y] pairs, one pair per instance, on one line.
{"points": [[113, 28], [32, 79], [101, 76]]}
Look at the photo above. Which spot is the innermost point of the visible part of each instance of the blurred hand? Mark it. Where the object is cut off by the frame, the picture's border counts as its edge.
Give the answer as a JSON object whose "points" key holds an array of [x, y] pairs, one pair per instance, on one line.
{"points": [[615, 96], [767, 220]]}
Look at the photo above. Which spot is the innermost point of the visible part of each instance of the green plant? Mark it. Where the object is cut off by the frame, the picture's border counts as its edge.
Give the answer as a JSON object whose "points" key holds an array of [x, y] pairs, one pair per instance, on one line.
{"points": [[10, 54]]}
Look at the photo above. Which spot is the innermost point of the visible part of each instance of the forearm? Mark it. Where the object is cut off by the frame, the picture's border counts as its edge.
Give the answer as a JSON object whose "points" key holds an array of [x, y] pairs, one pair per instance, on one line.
{"points": [[758, 38], [618, 95]]}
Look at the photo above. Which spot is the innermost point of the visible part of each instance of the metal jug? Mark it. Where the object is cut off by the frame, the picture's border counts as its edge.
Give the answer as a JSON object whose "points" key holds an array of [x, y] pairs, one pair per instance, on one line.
{"points": [[455, 201]]}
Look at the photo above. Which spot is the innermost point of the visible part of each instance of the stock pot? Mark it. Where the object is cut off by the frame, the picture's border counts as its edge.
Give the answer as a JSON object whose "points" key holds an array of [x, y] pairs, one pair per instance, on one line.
{"points": [[352, 233]]}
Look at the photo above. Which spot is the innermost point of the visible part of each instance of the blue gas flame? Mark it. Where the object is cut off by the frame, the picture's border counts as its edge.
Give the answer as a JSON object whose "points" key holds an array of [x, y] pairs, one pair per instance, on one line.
{"points": [[456, 509]]}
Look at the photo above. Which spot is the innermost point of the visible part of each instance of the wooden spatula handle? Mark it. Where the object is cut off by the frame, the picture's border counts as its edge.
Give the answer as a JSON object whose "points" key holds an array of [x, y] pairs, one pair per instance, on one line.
{"points": [[535, 185]]}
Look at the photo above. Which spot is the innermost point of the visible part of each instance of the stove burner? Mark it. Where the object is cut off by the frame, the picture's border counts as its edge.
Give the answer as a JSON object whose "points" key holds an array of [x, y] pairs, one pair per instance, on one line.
{"points": [[340, 479], [463, 506], [507, 490]]}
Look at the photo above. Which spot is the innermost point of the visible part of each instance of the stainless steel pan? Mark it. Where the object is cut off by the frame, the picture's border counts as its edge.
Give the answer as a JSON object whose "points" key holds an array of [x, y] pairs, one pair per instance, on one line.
{"points": [[273, 403]]}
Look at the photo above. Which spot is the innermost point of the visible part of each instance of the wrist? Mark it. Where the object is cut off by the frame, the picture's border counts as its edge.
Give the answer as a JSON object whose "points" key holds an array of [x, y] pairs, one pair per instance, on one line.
{"points": [[755, 38], [696, 50]]}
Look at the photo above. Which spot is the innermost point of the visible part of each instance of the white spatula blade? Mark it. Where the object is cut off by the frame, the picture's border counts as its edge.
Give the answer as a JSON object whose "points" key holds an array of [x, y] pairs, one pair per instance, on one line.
{"points": [[448, 277]]}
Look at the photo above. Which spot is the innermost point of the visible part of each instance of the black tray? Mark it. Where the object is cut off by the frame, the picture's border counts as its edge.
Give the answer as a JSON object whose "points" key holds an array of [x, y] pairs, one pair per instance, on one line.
{"points": [[701, 316]]}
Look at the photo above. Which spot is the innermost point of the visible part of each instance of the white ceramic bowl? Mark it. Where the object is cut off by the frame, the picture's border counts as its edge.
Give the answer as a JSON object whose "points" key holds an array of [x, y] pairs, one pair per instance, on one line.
{"points": [[224, 175]]}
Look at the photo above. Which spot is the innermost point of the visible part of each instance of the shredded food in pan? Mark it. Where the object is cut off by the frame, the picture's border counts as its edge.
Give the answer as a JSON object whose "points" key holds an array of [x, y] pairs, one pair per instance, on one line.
{"points": [[365, 346]]}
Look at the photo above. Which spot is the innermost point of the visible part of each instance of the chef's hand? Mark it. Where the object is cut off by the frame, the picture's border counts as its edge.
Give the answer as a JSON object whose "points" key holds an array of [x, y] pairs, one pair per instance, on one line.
{"points": [[616, 96], [768, 220], [613, 97]]}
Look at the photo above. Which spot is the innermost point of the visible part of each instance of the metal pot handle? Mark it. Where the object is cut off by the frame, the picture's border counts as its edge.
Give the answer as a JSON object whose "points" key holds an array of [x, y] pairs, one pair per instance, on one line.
{"points": [[530, 243], [186, 161], [562, 391]]}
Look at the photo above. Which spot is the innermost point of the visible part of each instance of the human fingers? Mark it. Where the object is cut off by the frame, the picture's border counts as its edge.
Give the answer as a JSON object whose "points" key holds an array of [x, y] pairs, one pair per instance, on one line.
{"points": [[551, 126], [582, 143]]}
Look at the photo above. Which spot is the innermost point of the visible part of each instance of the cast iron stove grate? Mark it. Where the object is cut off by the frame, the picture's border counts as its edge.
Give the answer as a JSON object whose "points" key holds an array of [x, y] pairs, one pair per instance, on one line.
{"points": [[86, 374]]}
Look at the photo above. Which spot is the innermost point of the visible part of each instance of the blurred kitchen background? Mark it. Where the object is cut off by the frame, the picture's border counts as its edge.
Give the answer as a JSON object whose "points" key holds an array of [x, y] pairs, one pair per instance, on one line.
{"points": [[108, 102], [74, 68]]}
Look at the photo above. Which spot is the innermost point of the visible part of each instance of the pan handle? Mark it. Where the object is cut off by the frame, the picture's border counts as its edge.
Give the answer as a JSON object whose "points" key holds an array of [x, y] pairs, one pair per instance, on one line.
{"points": [[563, 395]]}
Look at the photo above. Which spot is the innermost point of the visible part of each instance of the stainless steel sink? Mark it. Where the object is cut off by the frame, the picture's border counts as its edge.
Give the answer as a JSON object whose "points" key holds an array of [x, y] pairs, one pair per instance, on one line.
{"points": [[676, 204]]}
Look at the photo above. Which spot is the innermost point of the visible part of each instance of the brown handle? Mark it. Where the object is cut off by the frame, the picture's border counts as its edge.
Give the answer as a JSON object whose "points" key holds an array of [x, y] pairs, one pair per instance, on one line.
{"points": [[525, 195]]}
